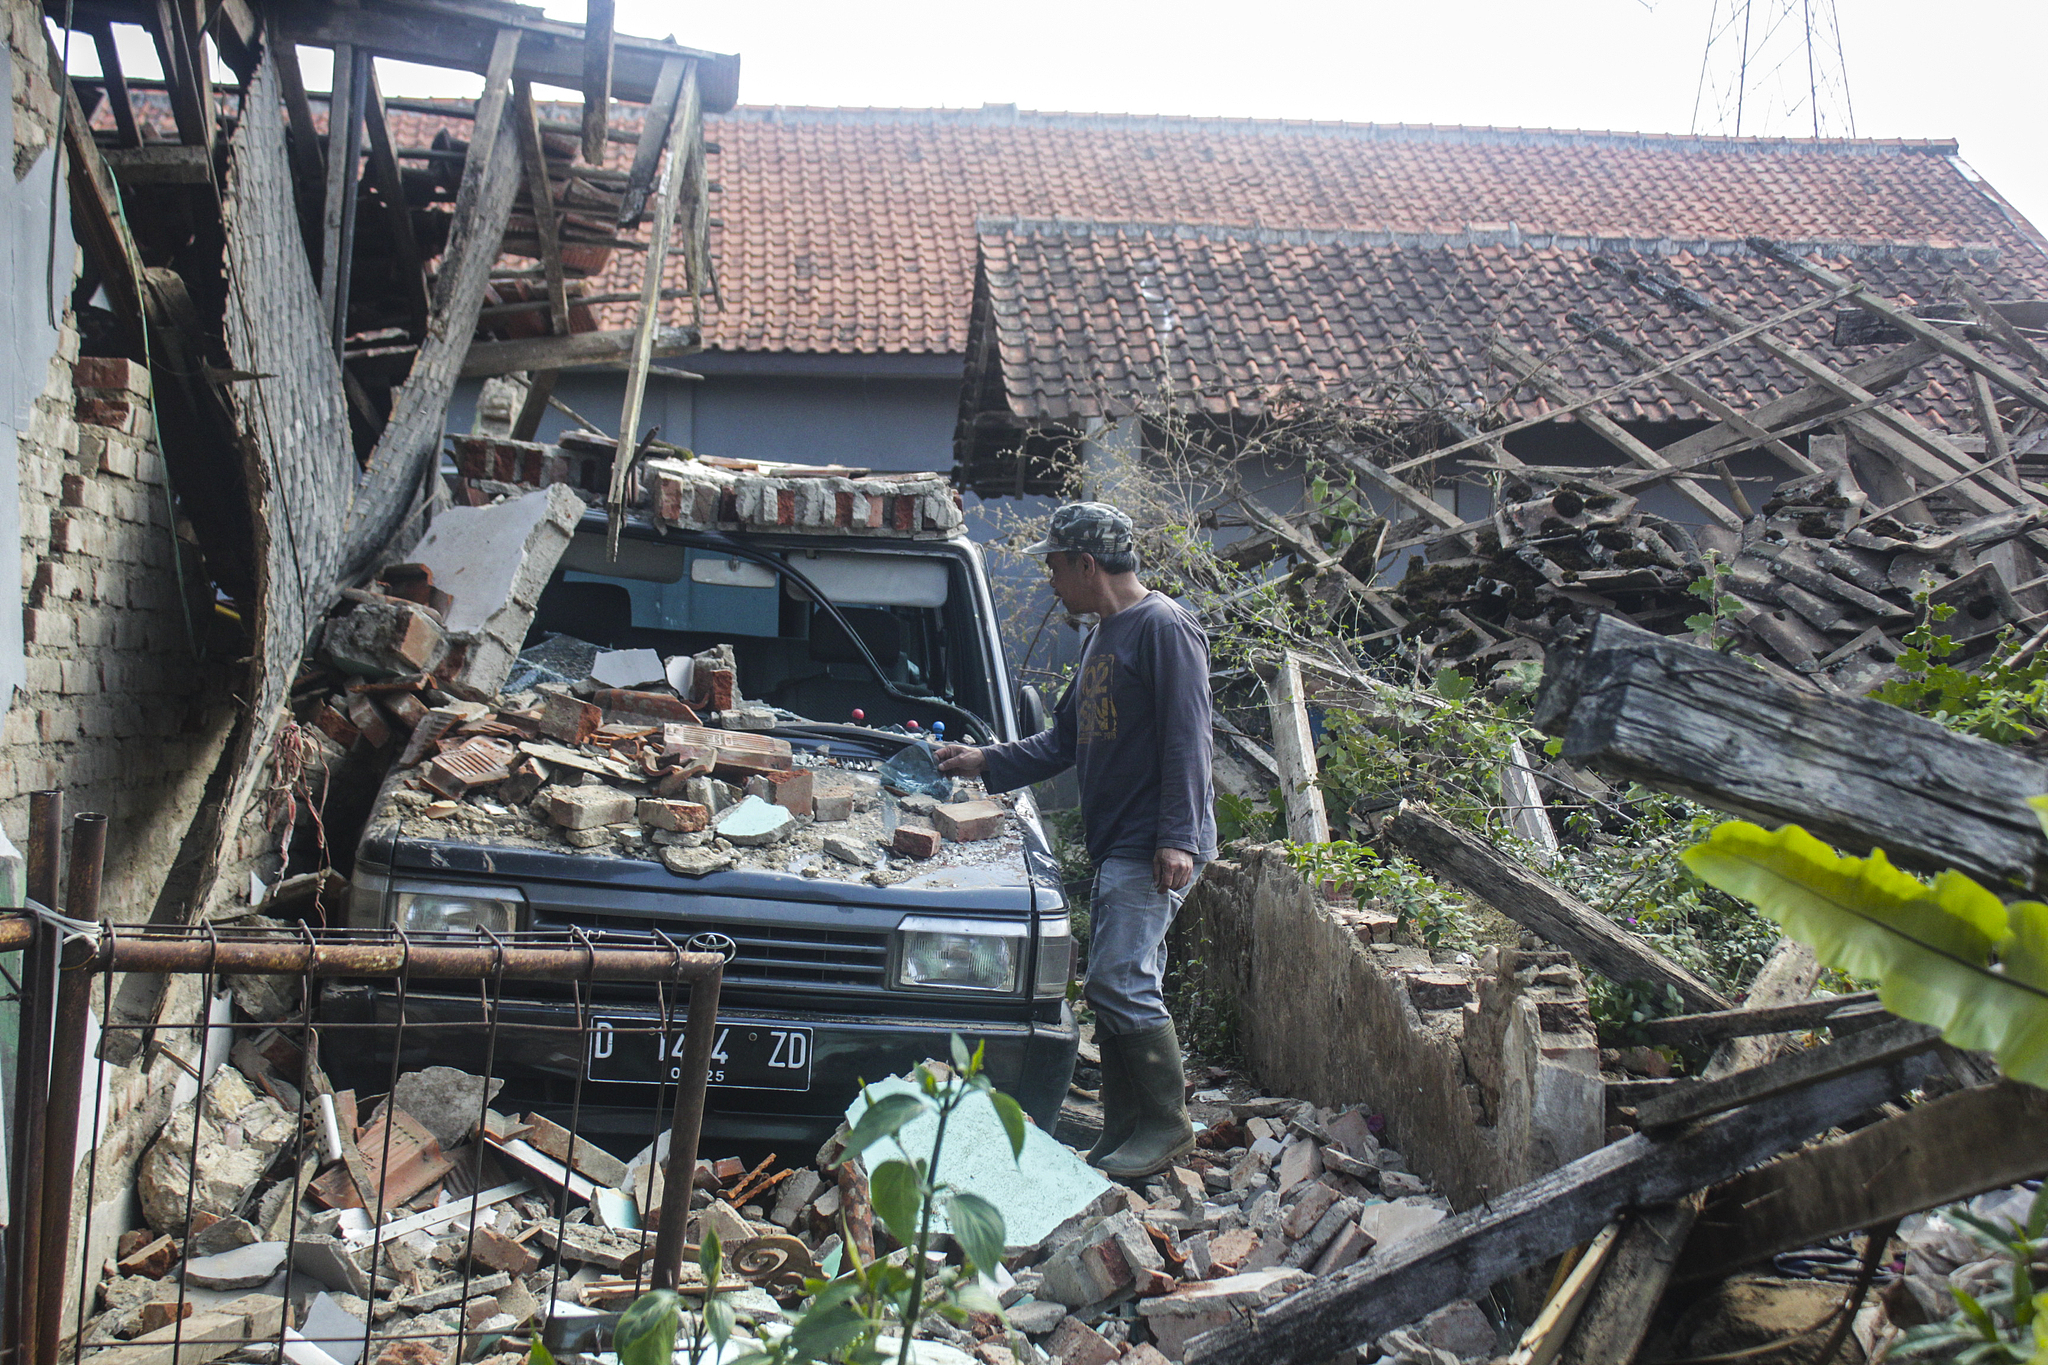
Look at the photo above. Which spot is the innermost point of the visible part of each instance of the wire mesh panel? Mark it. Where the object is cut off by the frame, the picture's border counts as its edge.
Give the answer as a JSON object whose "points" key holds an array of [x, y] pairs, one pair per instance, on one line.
{"points": [[407, 1215]]}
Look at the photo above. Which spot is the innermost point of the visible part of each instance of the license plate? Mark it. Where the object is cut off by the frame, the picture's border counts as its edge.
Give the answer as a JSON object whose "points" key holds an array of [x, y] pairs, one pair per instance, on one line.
{"points": [[755, 1056]]}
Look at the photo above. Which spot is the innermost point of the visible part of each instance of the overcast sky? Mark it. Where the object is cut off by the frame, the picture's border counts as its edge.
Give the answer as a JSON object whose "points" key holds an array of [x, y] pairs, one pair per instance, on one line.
{"points": [[1967, 69]]}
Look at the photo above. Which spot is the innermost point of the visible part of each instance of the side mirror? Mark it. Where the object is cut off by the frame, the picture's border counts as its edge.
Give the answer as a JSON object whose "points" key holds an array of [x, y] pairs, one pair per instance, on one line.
{"points": [[1031, 713]]}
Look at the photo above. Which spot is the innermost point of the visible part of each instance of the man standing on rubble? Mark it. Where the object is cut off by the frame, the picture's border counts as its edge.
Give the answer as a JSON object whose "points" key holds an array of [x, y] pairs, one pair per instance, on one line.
{"points": [[1135, 726]]}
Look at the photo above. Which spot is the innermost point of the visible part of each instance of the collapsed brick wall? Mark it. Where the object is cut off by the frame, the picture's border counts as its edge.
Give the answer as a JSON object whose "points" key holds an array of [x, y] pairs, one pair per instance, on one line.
{"points": [[1487, 1074], [118, 711]]}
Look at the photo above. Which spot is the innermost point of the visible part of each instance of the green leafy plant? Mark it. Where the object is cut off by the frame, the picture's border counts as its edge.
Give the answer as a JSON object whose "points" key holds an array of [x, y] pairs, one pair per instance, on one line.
{"points": [[1710, 626], [2004, 699], [844, 1317], [648, 1330], [2009, 1327], [1945, 953]]}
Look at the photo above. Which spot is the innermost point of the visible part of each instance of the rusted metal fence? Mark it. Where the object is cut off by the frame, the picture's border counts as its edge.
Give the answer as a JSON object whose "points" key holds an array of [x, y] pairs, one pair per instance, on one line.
{"points": [[69, 965]]}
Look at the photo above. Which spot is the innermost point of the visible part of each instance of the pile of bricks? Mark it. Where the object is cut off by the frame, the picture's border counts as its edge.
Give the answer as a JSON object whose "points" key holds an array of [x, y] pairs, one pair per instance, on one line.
{"points": [[708, 494]]}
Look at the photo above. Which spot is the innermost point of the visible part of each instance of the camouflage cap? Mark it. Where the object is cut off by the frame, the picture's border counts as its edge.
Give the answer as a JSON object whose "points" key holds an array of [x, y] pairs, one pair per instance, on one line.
{"points": [[1089, 528]]}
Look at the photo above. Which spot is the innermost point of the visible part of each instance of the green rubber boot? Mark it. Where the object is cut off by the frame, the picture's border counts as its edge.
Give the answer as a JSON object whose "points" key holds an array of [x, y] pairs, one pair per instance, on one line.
{"points": [[1152, 1067], [1119, 1106]]}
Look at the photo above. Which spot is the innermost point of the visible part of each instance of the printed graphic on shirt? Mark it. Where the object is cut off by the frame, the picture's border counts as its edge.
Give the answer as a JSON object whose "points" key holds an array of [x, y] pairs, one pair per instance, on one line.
{"points": [[1096, 712]]}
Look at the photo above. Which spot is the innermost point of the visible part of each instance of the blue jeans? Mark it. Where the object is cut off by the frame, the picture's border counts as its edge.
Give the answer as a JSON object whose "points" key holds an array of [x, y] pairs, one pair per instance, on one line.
{"points": [[1128, 920]]}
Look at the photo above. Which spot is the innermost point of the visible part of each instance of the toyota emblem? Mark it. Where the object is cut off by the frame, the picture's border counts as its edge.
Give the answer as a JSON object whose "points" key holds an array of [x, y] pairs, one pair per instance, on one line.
{"points": [[713, 943]]}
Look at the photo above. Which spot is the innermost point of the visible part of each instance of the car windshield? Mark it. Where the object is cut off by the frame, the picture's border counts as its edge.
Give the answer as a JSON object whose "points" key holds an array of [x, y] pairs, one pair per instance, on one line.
{"points": [[915, 613]]}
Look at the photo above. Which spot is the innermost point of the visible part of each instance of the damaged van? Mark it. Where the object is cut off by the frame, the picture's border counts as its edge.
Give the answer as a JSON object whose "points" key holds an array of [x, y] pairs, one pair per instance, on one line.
{"points": [[719, 736]]}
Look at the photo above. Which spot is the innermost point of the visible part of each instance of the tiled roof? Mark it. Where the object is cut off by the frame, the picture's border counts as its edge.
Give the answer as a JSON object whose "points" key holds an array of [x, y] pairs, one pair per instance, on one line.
{"points": [[1090, 319], [853, 230]]}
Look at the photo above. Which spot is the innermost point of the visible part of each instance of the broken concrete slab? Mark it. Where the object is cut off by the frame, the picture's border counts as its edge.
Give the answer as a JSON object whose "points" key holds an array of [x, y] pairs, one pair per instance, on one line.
{"points": [[1390, 1223], [755, 823], [201, 1337], [847, 849], [1036, 1317], [336, 1331], [1188, 1312], [494, 561], [328, 1261], [627, 668], [695, 862], [245, 1267], [446, 1101], [1035, 1193], [221, 1174]]}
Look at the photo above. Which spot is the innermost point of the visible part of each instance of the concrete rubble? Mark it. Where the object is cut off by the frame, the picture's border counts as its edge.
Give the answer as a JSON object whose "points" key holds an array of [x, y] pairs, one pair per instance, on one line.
{"points": [[1276, 1193]]}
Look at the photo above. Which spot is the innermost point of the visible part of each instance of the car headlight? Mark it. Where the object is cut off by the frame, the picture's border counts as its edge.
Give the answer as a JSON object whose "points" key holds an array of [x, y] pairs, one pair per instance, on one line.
{"points": [[959, 954], [1055, 958], [457, 910]]}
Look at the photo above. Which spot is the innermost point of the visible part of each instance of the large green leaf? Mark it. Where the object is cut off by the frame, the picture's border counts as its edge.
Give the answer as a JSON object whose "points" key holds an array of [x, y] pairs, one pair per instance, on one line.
{"points": [[978, 1225], [1946, 954], [894, 1192], [647, 1329]]}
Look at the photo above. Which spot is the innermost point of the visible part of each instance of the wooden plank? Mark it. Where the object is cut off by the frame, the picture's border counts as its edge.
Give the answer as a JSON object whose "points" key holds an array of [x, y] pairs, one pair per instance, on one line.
{"points": [[1399, 489], [184, 65], [450, 33], [412, 436], [487, 358], [1995, 444], [2001, 327], [1535, 902], [1852, 771], [340, 194], [683, 129], [597, 77], [1937, 1153], [1872, 1047], [309, 169], [383, 171], [1788, 975], [1471, 1251], [1921, 330], [96, 215], [1534, 372], [540, 194], [1617, 1316], [1294, 749], [1560, 1312], [1751, 1021], [1471, 440], [660, 113], [125, 129]]}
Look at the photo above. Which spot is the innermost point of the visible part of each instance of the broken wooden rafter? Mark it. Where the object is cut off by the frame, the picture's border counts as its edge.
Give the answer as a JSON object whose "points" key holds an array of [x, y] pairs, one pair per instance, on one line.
{"points": [[338, 214], [540, 194], [683, 128], [127, 133], [1949, 344], [1616, 1318], [1534, 372], [487, 358], [1831, 1011], [1872, 1047], [597, 77], [1941, 1152], [1294, 750], [2001, 327], [383, 173], [1852, 771], [1534, 902], [412, 435], [1469, 1252], [659, 118]]}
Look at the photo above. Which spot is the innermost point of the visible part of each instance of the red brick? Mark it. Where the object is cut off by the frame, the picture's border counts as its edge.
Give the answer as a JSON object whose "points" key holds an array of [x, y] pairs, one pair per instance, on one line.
{"points": [[495, 1251], [792, 790], [659, 705], [968, 821], [844, 516], [785, 507], [474, 763], [364, 715], [111, 373], [568, 719], [714, 688], [902, 513], [684, 817], [915, 841], [114, 414], [335, 726]]}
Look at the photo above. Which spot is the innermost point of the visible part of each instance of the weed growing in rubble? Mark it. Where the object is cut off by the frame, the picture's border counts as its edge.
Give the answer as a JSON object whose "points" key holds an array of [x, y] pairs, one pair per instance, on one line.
{"points": [[2009, 1327], [1709, 627], [2004, 699]]}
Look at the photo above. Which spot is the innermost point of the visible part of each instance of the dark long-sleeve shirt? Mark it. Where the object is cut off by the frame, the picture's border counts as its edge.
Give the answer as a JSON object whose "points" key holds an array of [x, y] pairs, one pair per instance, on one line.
{"points": [[1134, 724]]}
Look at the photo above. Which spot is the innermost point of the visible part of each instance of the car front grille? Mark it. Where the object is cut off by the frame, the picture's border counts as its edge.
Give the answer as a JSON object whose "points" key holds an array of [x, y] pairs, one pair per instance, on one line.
{"points": [[769, 955]]}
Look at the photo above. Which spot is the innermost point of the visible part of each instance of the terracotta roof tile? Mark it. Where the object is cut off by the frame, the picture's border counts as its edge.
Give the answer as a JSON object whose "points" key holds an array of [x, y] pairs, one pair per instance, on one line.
{"points": [[854, 229], [1091, 319]]}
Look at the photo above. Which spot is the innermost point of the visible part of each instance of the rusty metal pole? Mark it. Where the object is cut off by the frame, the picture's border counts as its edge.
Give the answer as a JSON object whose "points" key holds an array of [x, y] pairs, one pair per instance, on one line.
{"points": [[700, 1032], [67, 1073], [32, 1080]]}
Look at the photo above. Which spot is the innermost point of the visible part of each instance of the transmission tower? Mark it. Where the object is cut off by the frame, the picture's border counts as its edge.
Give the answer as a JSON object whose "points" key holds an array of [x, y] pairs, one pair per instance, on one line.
{"points": [[1774, 68]]}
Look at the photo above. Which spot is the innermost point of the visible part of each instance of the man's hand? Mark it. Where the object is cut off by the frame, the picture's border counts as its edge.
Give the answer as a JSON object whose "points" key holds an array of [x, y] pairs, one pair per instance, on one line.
{"points": [[961, 760], [1172, 868]]}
